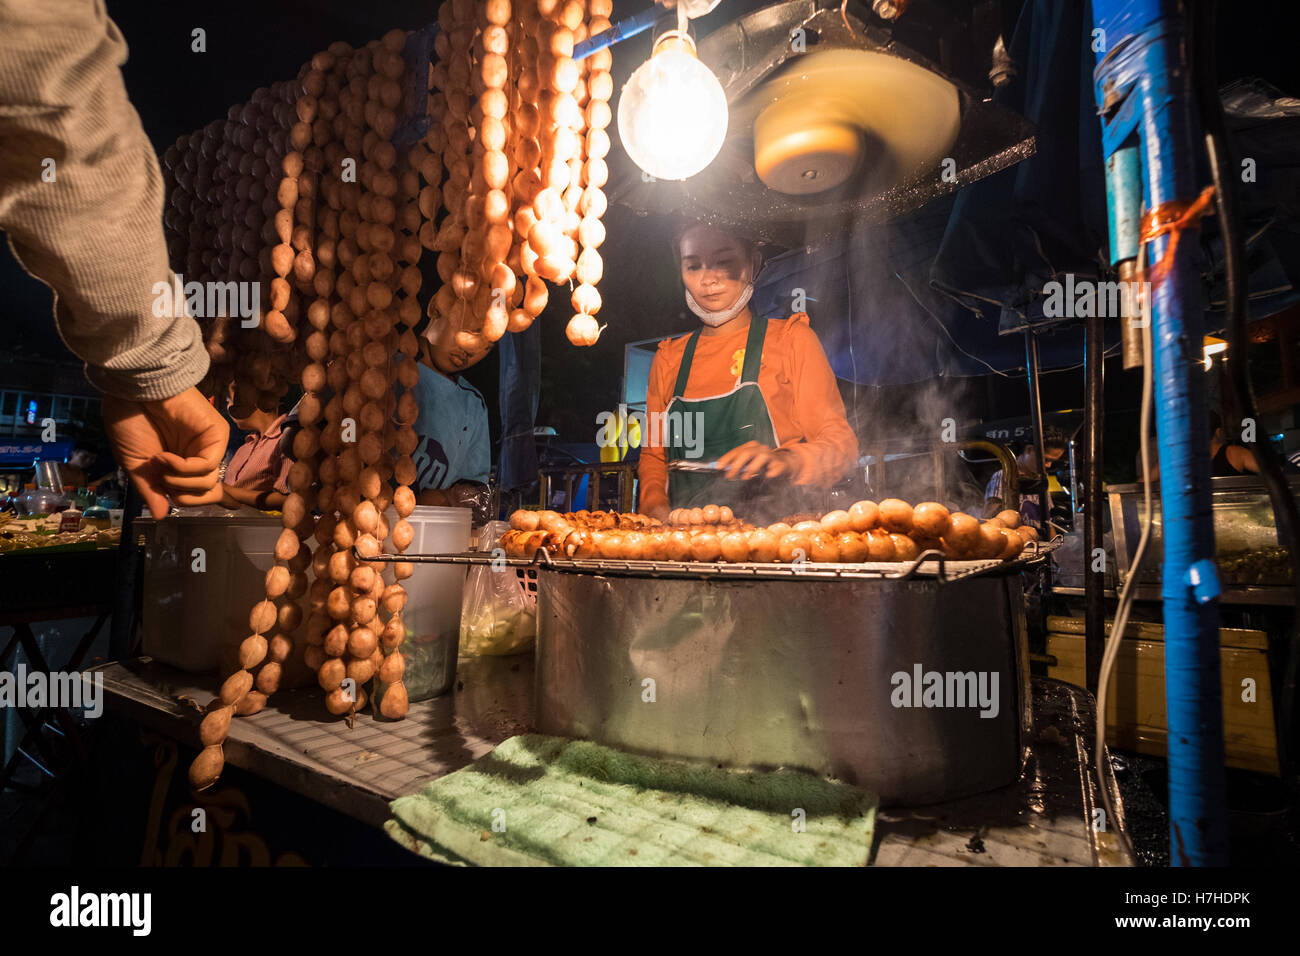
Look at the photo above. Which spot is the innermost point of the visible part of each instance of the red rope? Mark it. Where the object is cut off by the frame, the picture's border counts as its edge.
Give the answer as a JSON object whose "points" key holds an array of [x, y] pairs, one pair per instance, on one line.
{"points": [[1174, 217]]}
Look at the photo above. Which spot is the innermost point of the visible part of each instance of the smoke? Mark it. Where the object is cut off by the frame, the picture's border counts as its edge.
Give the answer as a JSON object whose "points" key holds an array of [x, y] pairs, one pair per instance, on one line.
{"points": [[911, 436], [869, 300]]}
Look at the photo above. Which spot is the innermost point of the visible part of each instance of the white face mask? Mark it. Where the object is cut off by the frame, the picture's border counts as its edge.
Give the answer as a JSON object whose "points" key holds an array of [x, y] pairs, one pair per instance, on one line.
{"points": [[722, 316]]}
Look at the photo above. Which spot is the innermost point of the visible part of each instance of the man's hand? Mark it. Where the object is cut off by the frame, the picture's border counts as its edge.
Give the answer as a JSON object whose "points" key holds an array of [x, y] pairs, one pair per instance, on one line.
{"points": [[432, 497], [171, 447]]}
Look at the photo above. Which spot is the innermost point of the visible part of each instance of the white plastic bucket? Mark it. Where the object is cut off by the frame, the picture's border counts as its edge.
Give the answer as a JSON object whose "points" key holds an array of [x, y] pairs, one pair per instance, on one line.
{"points": [[202, 575], [195, 619]]}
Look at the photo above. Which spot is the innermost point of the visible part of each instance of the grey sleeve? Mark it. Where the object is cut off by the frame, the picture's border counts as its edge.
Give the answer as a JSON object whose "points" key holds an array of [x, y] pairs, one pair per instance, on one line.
{"points": [[81, 197]]}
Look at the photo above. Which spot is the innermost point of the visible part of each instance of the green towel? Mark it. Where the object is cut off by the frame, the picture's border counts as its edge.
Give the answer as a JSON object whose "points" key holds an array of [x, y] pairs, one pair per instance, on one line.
{"points": [[539, 801]]}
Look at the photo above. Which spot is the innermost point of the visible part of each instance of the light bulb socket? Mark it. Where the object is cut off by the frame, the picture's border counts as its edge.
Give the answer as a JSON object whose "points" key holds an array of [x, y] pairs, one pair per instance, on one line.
{"points": [[669, 36]]}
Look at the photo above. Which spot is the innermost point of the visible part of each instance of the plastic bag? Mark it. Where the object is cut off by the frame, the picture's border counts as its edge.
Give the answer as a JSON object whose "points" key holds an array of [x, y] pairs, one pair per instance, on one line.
{"points": [[498, 613], [463, 494]]}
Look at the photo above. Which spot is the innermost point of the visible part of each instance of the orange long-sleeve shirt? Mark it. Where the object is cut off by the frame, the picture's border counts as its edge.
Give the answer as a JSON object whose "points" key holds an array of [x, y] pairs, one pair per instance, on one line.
{"points": [[796, 381]]}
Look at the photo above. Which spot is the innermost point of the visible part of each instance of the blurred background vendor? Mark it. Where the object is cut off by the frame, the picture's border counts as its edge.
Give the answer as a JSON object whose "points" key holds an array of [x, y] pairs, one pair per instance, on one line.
{"points": [[1228, 457], [453, 460], [1035, 482], [760, 395], [89, 464], [257, 473]]}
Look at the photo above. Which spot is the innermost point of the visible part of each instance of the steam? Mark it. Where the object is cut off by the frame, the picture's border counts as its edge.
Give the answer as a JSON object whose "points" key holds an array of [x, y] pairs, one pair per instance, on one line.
{"points": [[868, 296]]}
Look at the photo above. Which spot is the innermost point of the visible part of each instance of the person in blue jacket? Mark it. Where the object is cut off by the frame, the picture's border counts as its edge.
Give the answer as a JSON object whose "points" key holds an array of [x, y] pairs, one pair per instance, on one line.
{"points": [[454, 456]]}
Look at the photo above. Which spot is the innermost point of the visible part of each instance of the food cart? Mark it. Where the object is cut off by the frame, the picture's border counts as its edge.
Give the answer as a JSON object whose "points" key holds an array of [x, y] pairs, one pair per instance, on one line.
{"points": [[879, 648]]}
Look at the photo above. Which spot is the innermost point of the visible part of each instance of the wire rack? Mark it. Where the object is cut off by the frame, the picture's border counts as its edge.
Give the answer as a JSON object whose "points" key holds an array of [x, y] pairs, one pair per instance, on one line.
{"points": [[928, 565]]}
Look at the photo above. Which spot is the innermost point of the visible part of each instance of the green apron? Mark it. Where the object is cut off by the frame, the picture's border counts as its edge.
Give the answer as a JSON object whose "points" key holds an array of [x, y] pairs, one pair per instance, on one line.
{"points": [[724, 422]]}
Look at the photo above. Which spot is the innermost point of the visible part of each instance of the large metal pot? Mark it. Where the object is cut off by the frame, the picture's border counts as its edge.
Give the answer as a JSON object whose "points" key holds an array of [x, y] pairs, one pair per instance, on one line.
{"points": [[803, 673]]}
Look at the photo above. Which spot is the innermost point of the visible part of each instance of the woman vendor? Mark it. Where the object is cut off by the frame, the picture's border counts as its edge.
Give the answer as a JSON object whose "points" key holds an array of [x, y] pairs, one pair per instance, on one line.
{"points": [[757, 396]]}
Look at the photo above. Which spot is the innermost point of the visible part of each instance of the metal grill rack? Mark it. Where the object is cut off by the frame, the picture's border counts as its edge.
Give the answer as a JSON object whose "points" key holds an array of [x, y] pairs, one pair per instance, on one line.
{"points": [[929, 565]]}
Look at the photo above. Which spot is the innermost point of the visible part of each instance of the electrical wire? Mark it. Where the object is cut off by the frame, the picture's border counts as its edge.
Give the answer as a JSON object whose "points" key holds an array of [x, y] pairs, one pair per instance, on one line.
{"points": [[899, 276], [1128, 592], [1113, 350], [1108, 353]]}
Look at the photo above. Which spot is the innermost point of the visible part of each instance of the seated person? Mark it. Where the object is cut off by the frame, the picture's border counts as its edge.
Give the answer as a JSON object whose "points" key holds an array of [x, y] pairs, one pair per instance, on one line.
{"points": [[83, 465], [454, 456], [1228, 457], [1035, 499], [257, 473]]}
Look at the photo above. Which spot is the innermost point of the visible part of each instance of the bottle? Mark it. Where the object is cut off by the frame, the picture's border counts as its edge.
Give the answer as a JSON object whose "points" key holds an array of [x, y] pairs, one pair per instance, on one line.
{"points": [[70, 520]]}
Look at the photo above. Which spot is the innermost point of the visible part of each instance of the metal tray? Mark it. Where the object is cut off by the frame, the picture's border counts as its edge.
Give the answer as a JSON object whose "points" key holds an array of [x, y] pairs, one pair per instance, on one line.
{"points": [[799, 673]]}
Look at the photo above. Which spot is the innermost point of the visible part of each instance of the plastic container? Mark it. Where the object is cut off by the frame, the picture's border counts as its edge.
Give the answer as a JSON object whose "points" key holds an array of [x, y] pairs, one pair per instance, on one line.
{"points": [[1246, 545], [49, 475], [196, 604], [433, 601], [42, 501]]}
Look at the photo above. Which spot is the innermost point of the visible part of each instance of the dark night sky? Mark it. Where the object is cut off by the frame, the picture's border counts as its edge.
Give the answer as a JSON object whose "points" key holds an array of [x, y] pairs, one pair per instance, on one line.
{"points": [[255, 42]]}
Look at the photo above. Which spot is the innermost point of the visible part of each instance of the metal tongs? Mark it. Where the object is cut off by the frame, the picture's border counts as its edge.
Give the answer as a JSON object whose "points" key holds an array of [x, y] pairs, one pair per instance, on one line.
{"points": [[698, 466]]}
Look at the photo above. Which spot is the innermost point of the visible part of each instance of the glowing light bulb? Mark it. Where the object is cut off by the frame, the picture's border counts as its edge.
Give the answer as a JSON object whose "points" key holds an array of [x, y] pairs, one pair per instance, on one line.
{"points": [[672, 114], [1212, 346]]}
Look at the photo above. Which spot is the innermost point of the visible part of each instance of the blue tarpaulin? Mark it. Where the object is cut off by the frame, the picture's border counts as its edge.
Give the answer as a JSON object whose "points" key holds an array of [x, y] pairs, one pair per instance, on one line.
{"points": [[871, 302], [1011, 234]]}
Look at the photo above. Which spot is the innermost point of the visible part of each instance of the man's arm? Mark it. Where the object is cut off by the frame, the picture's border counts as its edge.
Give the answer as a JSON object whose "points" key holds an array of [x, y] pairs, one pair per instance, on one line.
{"points": [[81, 201], [232, 497], [1243, 459], [694, 8], [81, 198], [478, 465]]}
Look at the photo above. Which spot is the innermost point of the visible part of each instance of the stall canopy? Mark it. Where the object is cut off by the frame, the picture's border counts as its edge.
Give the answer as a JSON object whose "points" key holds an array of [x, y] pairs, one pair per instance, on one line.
{"points": [[880, 320], [946, 290], [942, 290], [935, 292]]}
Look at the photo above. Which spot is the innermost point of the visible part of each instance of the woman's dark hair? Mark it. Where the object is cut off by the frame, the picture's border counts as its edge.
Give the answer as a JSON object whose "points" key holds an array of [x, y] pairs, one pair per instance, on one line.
{"points": [[747, 245], [1054, 438], [1216, 422]]}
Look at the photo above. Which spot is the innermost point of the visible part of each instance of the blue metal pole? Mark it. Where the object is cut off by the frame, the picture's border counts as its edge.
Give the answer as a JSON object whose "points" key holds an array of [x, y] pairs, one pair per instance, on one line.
{"points": [[1144, 82]]}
